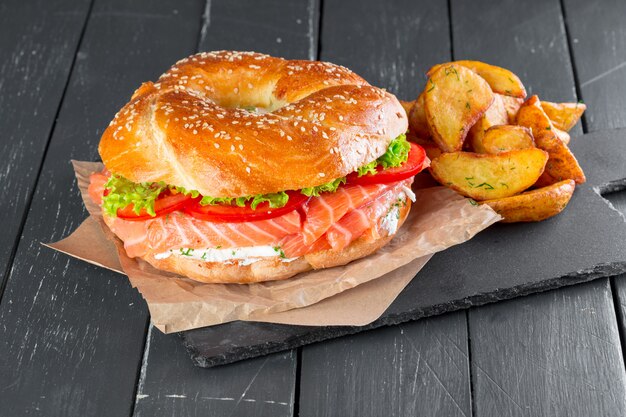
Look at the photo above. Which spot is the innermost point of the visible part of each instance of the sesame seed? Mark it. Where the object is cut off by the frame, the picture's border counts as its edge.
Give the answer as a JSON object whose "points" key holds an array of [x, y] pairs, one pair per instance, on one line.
{"points": [[248, 170], [217, 145], [321, 174], [340, 117]]}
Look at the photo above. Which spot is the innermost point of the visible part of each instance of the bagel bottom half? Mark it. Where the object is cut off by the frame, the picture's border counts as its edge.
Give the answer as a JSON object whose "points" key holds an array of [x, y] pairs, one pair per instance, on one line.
{"points": [[272, 269]]}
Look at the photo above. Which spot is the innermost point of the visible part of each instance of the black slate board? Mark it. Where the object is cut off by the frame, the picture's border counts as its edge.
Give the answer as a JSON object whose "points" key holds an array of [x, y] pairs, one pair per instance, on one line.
{"points": [[585, 242]]}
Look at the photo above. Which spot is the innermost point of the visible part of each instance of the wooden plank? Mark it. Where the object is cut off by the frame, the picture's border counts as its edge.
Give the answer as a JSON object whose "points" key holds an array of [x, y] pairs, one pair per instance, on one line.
{"points": [[527, 38], [38, 40], [72, 335], [599, 53], [598, 41], [390, 45], [413, 369], [556, 353], [533, 355], [265, 386], [418, 368], [170, 385], [278, 28]]}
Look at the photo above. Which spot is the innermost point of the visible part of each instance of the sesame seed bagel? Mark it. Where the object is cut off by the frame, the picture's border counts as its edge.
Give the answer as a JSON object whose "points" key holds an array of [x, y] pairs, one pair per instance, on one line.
{"points": [[191, 129]]}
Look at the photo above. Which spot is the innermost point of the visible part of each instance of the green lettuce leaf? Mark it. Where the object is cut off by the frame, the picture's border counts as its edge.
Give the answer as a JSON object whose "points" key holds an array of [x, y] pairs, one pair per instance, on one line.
{"points": [[329, 187], [123, 192], [276, 200], [397, 154]]}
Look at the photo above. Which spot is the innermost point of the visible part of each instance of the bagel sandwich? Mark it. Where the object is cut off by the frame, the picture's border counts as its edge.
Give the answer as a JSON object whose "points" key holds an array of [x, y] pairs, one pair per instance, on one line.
{"points": [[238, 167]]}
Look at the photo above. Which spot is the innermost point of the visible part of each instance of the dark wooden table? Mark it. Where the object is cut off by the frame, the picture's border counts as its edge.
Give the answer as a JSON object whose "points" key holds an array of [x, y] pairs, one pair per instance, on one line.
{"points": [[75, 340]]}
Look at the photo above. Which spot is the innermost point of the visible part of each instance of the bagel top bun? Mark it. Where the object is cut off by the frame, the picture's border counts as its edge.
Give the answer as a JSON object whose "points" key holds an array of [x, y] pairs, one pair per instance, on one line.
{"points": [[315, 122]]}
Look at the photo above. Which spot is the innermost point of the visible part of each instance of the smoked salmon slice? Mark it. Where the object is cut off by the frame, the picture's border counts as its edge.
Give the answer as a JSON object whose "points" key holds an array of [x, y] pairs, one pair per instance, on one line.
{"points": [[357, 221], [333, 221], [179, 230], [327, 209]]}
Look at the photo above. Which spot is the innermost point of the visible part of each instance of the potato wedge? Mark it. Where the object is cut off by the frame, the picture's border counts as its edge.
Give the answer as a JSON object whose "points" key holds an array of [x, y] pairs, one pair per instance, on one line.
{"points": [[564, 136], [432, 151], [505, 138], [495, 115], [431, 148], [501, 80], [486, 177], [407, 105], [535, 205], [512, 105], [418, 123], [455, 98], [563, 115], [562, 164]]}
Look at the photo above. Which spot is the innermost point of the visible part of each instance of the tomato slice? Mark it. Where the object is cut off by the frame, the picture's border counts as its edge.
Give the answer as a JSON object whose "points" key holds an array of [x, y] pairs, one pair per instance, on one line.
{"points": [[416, 162], [235, 214], [166, 203]]}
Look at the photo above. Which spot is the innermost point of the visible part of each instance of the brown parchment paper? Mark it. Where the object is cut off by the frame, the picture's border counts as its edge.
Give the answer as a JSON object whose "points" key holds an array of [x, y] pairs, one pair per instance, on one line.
{"points": [[440, 219]]}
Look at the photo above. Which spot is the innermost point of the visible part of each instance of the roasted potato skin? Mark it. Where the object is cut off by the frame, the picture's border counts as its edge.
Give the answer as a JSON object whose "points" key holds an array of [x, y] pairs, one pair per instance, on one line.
{"points": [[505, 138], [486, 177], [494, 116], [431, 148], [498, 144], [512, 106], [455, 98], [562, 164], [536, 205], [564, 116], [407, 105], [501, 80], [418, 123]]}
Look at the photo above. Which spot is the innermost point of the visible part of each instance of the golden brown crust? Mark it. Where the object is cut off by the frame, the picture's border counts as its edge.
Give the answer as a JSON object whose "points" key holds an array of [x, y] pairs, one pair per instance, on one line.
{"points": [[272, 269], [188, 129]]}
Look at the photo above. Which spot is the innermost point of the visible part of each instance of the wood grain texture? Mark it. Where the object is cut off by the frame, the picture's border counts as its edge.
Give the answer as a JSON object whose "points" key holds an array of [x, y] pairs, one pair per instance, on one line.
{"points": [[556, 353], [260, 387], [598, 39], [390, 44], [413, 369], [526, 37], [418, 368], [71, 336], [38, 40], [170, 385], [288, 29], [543, 354], [618, 200]]}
